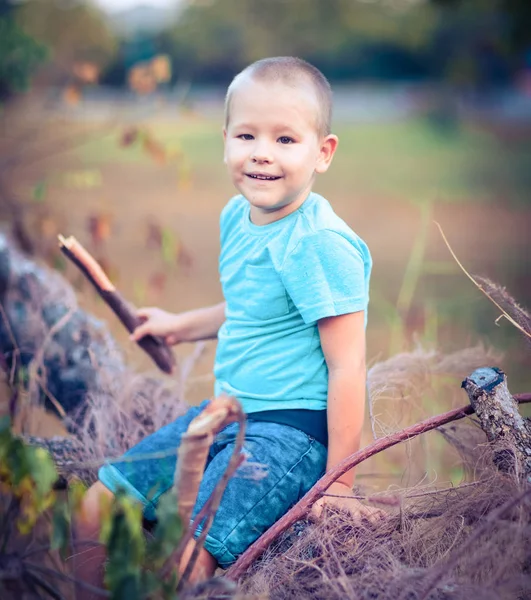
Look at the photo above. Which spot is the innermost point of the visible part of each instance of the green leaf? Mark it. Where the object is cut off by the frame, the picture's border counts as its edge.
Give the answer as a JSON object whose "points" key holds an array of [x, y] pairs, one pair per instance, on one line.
{"points": [[125, 545], [61, 529], [168, 530], [5, 423], [127, 587], [39, 191], [169, 587], [42, 469], [169, 247]]}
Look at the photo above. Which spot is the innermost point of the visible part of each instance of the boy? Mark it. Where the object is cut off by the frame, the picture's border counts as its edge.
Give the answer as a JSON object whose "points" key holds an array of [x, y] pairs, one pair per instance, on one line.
{"points": [[291, 332]]}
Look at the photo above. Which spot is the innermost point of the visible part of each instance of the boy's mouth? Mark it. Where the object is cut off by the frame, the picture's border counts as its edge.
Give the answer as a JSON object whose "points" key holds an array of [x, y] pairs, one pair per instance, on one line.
{"points": [[262, 176]]}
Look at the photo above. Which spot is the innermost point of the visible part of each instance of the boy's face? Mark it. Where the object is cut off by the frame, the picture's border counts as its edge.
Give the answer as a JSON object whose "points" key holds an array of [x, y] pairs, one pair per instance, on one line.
{"points": [[273, 148]]}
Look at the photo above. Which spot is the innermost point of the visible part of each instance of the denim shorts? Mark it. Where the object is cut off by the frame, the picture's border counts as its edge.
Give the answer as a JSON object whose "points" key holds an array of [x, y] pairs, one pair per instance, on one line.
{"points": [[289, 463]]}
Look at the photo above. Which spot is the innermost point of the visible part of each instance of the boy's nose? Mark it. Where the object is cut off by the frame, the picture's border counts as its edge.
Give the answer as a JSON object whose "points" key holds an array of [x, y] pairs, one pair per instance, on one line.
{"points": [[260, 158], [261, 154]]}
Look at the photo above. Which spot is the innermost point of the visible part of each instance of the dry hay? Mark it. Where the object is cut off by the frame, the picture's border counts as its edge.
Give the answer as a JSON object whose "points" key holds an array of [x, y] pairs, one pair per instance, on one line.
{"points": [[436, 544], [446, 544]]}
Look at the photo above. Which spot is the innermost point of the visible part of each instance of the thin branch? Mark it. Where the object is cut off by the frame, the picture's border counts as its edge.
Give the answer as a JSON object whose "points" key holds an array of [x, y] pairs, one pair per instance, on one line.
{"points": [[7, 521], [38, 361], [16, 351], [38, 581], [28, 579], [155, 346], [505, 314], [377, 498], [70, 579], [175, 556], [47, 547], [236, 460], [301, 509]]}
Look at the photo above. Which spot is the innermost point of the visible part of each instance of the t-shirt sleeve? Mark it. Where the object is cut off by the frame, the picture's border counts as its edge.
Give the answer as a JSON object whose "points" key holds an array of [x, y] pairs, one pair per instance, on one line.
{"points": [[325, 276], [225, 217]]}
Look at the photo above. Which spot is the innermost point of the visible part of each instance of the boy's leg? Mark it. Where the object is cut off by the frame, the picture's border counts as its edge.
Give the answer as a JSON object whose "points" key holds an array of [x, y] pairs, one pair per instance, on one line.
{"points": [[138, 477], [88, 558], [204, 567], [287, 464]]}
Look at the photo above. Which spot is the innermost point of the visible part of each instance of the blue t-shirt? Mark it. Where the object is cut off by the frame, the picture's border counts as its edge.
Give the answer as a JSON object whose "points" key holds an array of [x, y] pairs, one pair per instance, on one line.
{"points": [[278, 280]]}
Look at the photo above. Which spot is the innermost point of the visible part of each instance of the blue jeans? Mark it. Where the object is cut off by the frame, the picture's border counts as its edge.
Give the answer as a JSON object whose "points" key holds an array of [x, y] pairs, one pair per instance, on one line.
{"points": [[290, 460]]}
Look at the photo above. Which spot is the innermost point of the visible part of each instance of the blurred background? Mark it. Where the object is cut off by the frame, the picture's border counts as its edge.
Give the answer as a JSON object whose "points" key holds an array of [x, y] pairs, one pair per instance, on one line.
{"points": [[111, 115]]}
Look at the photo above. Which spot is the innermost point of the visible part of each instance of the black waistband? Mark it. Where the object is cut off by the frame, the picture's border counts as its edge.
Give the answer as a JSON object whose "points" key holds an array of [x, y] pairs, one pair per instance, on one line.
{"points": [[312, 422]]}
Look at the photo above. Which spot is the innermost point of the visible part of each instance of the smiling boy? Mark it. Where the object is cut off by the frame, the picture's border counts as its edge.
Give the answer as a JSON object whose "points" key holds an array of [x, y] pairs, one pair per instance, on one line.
{"points": [[291, 331]]}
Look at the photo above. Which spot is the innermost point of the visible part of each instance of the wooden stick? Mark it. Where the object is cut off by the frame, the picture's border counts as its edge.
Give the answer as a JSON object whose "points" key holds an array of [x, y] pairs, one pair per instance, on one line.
{"points": [[303, 506], [155, 346], [497, 411]]}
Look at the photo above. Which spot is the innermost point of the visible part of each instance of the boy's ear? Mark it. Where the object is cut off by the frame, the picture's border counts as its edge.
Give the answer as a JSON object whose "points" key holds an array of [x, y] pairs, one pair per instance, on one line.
{"points": [[326, 152]]}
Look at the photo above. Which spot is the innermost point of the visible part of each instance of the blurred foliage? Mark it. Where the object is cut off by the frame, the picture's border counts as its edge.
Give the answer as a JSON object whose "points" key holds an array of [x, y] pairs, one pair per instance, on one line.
{"points": [[472, 43], [345, 39], [28, 474], [72, 38], [20, 55], [74, 31], [476, 41], [27, 494]]}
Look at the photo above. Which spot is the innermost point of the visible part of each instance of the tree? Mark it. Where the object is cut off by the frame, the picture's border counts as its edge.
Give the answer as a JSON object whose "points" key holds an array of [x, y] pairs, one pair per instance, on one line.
{"points": [[74, 32], [20, 55]]}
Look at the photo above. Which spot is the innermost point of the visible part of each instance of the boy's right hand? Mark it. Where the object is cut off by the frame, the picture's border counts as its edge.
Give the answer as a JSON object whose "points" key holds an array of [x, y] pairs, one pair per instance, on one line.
{"points": [[156, 321]]}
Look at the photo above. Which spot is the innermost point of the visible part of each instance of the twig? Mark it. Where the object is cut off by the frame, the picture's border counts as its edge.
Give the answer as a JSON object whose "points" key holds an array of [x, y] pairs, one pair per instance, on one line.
{"points": [[175, 556], [376, 498], [155, 346], [505, 314], [372, 419], [47, 547], [70, 579], [38, 581], [29, 580], [38, 361], [7, 522], [304, 505], [16, 351], [235, 461]]}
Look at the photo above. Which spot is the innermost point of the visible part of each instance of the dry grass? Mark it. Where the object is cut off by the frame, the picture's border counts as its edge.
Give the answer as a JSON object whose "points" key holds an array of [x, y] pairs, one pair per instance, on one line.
{"points": [[469, 542], [60, 356], [399, 384]]}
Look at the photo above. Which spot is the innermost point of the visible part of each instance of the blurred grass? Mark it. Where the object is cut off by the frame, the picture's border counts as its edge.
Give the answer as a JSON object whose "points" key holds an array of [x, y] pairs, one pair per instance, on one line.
{"points": [[409, 163], [408, 159], [389, 181]]}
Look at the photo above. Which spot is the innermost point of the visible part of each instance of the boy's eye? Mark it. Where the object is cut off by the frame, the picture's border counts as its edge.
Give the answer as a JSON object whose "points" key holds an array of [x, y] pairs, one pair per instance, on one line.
{"points": [[286, 140], [245, 136]]}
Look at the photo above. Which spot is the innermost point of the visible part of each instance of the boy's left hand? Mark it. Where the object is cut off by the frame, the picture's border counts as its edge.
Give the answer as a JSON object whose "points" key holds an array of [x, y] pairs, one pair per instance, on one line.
{"points": [[346, 501]]}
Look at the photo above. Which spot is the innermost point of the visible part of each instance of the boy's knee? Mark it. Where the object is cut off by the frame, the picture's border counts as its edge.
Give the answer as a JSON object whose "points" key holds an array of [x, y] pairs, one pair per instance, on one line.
{"points": [[89, 515]]}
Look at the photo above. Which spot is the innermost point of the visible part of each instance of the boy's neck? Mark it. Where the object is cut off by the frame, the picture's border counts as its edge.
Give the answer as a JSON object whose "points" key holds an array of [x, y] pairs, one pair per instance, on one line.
{"points": [[263, 217]]}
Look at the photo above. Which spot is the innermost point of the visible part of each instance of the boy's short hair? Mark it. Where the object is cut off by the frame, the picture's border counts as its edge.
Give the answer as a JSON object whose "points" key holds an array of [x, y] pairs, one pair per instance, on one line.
{"points": [[290, 70]]}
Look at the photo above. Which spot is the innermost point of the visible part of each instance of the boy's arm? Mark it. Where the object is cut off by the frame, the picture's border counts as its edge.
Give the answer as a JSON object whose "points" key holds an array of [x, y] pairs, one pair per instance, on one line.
{"points": [[201, 323], [343, 343], [190, 326]]}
